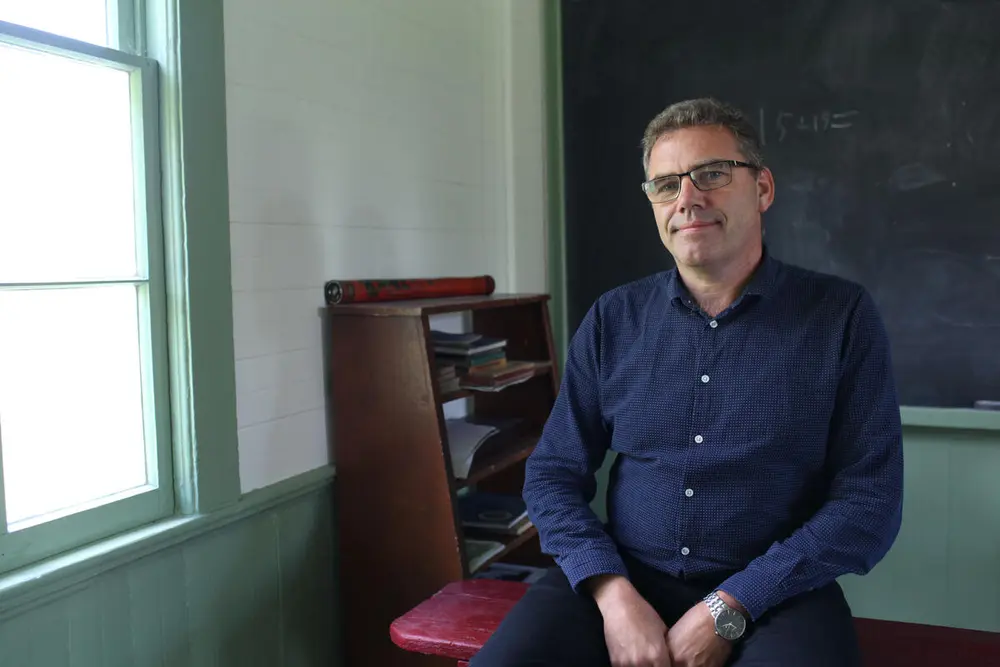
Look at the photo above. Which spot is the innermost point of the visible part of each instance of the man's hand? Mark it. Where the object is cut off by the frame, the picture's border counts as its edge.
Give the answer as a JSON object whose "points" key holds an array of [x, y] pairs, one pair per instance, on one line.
{"points": [[693, 642], [635, 634]]}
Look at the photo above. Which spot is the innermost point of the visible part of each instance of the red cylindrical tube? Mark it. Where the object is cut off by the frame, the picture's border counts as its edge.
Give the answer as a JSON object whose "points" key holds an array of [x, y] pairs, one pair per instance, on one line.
{"points": [[357, 291]]}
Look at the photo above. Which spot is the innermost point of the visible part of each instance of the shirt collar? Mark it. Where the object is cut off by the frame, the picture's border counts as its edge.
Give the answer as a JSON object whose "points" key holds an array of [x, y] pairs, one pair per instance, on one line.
{"points": [[763, 282]]}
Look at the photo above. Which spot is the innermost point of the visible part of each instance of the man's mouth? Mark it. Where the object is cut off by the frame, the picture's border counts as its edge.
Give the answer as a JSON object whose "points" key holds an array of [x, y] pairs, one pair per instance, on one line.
{"points": [[695, 225]]}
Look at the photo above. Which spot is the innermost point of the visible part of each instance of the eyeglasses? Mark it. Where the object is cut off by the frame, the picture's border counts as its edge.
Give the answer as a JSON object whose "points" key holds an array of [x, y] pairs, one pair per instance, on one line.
{"points": [[706, 177]]}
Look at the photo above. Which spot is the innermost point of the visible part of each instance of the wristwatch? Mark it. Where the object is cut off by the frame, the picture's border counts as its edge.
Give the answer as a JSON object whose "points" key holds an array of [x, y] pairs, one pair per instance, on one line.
{"points": [[729, 623]]}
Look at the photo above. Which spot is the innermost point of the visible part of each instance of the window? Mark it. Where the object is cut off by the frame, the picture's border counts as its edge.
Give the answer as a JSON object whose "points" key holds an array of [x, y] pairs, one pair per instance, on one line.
{"points": [[84, 410]]}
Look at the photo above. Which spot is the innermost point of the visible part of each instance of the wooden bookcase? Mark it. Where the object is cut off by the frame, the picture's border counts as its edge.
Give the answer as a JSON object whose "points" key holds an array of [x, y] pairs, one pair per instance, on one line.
{"points": [[399, 536]]}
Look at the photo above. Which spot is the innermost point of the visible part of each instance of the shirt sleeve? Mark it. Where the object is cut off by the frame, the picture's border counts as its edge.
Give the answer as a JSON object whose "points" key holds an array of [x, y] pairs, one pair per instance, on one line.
{"points": [[854, 529], [559, 477]]}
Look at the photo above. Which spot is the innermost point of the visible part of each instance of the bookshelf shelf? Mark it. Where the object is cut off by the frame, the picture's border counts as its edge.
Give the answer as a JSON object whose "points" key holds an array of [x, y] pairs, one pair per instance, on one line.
{"points": [[455, 395], [510, 542], [396, 494]]}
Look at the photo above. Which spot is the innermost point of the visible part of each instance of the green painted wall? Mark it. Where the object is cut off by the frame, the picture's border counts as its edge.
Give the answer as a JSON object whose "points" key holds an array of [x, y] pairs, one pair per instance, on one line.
{"points": [[944, 568], [257, 591]]}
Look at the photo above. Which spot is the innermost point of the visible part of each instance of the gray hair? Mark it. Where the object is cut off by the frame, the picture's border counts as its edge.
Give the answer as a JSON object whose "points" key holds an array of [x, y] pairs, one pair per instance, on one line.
{"points": [[700, 112]]}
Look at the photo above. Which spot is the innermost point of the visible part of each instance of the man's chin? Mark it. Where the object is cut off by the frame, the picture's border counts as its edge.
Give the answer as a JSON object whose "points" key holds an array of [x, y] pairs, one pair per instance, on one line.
{"points": [[695, 257]]}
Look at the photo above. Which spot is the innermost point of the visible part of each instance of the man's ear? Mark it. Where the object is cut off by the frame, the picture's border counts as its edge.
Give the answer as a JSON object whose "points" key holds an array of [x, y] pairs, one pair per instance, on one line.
{"points": [[765, 189]]}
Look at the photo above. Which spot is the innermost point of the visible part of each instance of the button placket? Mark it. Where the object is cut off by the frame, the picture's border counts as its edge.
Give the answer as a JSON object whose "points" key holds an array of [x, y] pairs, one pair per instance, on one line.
{"points": [[699, 438]]}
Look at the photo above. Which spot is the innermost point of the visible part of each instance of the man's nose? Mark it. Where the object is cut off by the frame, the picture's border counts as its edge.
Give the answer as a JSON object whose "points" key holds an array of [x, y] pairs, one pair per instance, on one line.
{"points": [[689, 196]]}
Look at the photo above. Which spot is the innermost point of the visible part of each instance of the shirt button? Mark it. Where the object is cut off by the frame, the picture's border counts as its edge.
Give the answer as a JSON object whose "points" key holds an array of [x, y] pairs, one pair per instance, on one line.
{"points": [[689, 492], [699, 439], [685, 551], [704, 378], [713, 324]]}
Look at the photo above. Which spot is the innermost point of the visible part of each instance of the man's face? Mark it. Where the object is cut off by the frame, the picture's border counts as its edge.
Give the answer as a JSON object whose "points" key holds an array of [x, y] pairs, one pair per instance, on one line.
{"points": [[709, 229]]}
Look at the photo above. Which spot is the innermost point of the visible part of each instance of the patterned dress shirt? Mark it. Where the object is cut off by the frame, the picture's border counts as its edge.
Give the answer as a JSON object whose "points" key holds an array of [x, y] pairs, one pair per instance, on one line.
{"points": [[762, 446]]}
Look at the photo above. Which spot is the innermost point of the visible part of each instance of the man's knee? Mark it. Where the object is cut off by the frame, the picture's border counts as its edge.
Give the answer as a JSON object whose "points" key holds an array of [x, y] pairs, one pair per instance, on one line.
{"points": [[550, 625]]}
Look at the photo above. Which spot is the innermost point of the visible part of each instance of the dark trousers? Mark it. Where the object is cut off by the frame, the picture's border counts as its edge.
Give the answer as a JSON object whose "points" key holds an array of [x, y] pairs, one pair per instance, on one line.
{"points": [[553, 626]]}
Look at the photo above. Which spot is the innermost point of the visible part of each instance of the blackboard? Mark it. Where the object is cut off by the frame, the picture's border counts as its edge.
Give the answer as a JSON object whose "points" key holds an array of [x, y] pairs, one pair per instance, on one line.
{"points": [[880, 120]]}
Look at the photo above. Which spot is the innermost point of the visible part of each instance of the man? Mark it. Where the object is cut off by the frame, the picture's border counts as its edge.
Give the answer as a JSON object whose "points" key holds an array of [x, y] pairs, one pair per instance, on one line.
{"points": [[754, 415]]}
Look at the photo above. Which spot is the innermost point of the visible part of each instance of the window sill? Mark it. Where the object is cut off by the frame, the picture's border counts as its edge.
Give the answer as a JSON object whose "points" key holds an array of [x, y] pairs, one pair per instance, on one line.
{"points": [[59, 576]]}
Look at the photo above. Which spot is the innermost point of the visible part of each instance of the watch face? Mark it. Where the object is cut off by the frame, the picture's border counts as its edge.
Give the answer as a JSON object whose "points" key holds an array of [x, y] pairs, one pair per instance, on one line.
{"points": [[730, 624]]}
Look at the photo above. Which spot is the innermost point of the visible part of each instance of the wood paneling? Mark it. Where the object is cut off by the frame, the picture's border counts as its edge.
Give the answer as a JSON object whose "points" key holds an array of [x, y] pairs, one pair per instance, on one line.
{"points": [[944, 568], [256, 592]]}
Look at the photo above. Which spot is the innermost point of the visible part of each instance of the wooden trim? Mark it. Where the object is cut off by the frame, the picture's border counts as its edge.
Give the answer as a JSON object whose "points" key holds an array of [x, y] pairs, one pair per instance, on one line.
{"points": [[420, 307], [3, 496], [951, 418], [555, 175], [186, 39]]}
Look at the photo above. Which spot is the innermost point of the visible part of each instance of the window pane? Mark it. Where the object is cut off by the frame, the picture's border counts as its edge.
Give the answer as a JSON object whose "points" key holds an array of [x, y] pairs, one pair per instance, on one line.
{"points": [[85, 20], [71, 419], [66, 185]]}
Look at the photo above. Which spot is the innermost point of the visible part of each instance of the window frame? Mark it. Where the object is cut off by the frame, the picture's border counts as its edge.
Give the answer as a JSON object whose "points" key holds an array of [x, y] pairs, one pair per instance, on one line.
{"points": [[125, 510], [125, 21], [181, 43], [186, 38]]}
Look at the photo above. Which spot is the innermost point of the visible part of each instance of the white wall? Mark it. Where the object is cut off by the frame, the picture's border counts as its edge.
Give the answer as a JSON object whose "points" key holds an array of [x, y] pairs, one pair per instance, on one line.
{"points": [[369, 138]]}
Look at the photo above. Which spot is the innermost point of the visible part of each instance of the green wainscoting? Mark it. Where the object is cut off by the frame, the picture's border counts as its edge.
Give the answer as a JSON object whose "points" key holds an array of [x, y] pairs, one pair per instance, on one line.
{"points": [[254, 590], [944, 568]]}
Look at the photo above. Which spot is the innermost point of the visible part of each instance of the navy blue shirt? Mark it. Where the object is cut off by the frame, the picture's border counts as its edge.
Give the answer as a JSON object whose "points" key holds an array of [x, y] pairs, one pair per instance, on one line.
{"points": [[762, 446]]}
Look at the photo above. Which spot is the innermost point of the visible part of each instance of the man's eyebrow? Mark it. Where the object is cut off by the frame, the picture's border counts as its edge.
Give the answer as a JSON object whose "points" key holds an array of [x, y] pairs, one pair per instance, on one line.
{"points": [[700, 163]]}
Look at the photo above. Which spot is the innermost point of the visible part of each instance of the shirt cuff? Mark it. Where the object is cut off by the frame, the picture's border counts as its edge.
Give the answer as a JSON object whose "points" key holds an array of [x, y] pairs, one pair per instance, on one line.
{"points": [[585, 564], [754, 590]]}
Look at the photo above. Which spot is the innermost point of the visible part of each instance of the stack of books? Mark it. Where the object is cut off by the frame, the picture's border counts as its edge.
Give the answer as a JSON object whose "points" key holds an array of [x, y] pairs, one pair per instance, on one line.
{"points": [[480, 362], [494, 512], [449, 354], [495, 379], [447, 379]]}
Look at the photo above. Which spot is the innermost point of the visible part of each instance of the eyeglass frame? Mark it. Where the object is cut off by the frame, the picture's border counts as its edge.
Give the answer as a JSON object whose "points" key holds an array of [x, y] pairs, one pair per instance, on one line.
{"points": [[680, 177]]}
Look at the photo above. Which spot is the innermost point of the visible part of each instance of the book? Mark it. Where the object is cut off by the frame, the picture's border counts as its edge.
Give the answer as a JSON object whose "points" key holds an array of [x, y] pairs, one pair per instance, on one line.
{"points": [[480, 345], [456, 339], [504, 513], [480, 551], [499, 377], [511, 572], [463, 361], [450, 386], [464, 440]]}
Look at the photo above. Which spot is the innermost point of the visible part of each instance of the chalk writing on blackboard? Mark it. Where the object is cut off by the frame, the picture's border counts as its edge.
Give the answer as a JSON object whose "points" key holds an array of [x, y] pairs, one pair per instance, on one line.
{"points": [[785, 123]]}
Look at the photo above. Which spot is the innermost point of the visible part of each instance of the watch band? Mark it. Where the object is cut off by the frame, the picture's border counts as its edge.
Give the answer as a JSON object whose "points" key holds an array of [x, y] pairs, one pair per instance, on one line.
{"points": [[716, 604]]}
